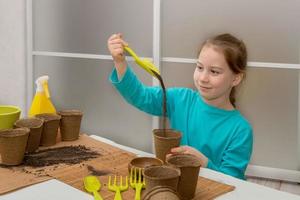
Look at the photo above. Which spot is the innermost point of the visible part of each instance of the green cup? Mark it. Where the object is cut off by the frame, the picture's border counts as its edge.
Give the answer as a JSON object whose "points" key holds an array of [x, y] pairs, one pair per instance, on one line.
{"points": [[8, 116]]}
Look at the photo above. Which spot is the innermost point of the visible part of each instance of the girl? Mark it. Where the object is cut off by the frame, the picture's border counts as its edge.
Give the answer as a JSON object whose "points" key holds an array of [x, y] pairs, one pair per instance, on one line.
{"points": [[212, 129]]}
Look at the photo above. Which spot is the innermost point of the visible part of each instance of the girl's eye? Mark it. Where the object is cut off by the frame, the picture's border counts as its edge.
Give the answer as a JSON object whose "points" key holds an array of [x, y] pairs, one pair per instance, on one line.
{"points": [[199, 67], [215, 72]]}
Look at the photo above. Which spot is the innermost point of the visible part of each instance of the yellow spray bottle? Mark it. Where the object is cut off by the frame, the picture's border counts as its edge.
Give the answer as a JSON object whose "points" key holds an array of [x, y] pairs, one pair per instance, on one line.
{"points": [[41, 102]]}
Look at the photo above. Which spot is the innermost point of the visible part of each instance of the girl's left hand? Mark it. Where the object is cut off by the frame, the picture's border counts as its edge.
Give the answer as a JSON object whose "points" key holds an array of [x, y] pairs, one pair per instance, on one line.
{"points": [[190, 150]]}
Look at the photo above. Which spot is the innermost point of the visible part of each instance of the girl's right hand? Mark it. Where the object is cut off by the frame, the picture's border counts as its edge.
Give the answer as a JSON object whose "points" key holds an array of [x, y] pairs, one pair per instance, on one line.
{"points": [[116, 45]]}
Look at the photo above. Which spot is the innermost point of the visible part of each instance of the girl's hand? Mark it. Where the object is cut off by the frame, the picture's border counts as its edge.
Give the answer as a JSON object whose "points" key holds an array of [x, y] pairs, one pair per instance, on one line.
{"points": [[190, 150], [116, 45]]}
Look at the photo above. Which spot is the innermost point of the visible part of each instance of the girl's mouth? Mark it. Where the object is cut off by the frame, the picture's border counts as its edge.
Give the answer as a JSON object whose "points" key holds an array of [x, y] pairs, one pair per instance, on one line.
{"points": [[205, 88]]}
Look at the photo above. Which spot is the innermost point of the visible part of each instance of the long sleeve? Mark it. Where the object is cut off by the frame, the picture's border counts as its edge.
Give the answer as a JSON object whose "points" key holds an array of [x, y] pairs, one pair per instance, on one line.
{"points": [[236, 157], [147, 99]]}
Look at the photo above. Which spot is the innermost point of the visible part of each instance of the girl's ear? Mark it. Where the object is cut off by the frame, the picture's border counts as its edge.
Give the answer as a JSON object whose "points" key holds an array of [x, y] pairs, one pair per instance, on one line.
{"points": [[237, 79]]}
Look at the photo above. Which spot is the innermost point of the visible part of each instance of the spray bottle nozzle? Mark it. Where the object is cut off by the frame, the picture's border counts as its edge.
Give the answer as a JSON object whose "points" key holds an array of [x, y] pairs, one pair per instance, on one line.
{"points": [[42, 85]]}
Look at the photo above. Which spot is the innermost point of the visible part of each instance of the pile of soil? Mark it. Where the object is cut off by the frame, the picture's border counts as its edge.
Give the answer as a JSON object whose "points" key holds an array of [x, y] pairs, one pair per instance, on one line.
{"points": [[60, 155]]}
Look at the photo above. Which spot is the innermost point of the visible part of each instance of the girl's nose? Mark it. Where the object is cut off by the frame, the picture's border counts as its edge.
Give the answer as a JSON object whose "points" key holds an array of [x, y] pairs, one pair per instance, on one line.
{"points": [[204, 76]]}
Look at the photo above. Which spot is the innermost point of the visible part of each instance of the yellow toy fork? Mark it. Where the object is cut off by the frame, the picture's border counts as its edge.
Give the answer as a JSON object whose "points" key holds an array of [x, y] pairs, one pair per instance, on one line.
{"points": [[117, 188], [136, 181]]}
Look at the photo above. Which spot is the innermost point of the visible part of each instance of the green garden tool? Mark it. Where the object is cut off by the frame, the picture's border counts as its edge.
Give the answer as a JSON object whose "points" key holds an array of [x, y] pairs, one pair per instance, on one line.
{"points": [[144, 63], [136, 181], [117, 187], [92, 185]]}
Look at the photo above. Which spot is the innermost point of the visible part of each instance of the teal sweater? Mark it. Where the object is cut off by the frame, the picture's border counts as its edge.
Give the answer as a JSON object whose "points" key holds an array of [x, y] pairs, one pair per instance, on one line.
{"points": [[224, 137]]}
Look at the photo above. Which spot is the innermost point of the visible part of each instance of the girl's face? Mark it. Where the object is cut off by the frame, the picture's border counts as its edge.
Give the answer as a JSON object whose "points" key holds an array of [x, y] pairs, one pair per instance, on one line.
{"points": [[213, 77]]}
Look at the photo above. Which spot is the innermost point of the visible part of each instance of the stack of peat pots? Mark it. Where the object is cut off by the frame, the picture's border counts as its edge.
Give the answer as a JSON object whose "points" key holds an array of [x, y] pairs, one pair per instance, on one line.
{"points": [[178, 177]]}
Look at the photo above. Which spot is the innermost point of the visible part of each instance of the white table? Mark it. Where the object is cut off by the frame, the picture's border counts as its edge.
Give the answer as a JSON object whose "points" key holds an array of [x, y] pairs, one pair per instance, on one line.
{"points": [[56, 190]]}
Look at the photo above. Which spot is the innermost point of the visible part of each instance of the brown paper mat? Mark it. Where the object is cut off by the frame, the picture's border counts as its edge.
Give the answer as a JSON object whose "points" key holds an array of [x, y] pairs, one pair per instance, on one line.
{"points": [[209, 189], [112, 161]]}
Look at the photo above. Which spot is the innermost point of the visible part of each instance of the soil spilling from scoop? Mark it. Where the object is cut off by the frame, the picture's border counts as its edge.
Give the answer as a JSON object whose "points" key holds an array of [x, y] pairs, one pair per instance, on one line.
{"points": [[164, 103], [60, 155]]}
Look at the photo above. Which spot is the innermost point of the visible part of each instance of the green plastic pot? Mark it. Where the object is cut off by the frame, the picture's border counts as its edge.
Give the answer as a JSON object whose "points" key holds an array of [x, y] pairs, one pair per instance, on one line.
{"points": [[8, 116]]}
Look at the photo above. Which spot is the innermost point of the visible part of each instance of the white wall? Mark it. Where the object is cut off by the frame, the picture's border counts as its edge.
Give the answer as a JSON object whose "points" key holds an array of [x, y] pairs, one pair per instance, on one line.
{"points": [[12, 53]]}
